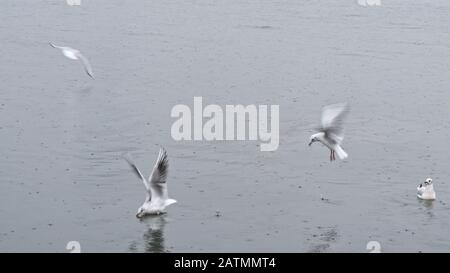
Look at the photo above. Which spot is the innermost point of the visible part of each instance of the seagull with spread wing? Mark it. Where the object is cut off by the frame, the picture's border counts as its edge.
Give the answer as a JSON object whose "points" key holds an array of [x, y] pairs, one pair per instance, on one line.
{"points": [[331, 132], [75, 54], [157, 198]]}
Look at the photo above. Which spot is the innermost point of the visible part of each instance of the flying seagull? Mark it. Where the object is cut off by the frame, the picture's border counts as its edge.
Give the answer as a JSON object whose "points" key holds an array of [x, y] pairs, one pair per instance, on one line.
{"points": [[76, 55], [157, 198], [331, 132], [426, 191]]}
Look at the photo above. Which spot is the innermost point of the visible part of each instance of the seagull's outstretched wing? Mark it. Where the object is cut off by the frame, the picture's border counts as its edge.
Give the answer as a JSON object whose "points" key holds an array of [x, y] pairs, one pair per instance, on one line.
{"points": [[157, 180], [137, 172], [86, 64], [332, 121], [55, 46]]}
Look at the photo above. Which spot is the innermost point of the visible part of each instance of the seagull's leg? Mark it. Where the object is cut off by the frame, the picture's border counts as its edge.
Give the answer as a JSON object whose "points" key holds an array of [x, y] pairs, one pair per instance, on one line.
{"points": [[334, 155], [331, 155]]}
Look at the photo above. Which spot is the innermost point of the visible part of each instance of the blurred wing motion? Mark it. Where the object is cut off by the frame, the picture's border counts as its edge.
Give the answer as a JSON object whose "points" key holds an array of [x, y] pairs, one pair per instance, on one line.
{"points": [[157, 180], [86, 64], [55, 46], [332, 121], [137, 172], [75, 54]]}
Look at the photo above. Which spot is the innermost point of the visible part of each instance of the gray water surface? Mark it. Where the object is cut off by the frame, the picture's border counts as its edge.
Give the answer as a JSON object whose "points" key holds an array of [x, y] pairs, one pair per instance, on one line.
{"points": [[62, 134]]}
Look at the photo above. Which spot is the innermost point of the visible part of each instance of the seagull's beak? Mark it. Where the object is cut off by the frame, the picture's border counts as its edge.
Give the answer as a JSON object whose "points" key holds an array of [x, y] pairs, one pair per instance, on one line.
{"points": [[310, 143]]}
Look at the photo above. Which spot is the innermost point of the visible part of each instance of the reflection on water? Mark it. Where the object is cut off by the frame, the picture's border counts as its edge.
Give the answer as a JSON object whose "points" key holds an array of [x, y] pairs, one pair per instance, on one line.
{"points": [[86, 89], [428, 205], [327, 236], [153, 238]]}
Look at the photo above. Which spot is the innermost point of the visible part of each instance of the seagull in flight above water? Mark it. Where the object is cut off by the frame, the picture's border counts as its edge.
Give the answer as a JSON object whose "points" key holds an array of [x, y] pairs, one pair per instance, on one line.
{"points": [[331, 132], [157, 198], [76, 55]]}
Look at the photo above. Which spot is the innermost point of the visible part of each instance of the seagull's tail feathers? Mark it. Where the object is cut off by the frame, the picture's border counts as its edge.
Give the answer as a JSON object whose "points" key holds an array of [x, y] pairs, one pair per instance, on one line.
{"points": [[340, 152], [170, 202]]}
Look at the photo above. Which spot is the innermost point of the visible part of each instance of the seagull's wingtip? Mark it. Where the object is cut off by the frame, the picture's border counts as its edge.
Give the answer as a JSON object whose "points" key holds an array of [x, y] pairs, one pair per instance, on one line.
{"points": [[127, 157], [162, 149]]}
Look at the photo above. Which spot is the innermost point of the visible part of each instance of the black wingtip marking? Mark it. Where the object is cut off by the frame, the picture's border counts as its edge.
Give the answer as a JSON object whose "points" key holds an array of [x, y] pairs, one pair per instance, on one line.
{"points": [[132, 166], [136, 171], [163, 165]]}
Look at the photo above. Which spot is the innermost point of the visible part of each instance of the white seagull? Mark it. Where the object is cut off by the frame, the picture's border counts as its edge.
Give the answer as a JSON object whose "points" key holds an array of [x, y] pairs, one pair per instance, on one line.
{"points": [[157, 198], [76, 55], [426, 191], [331, 132]]}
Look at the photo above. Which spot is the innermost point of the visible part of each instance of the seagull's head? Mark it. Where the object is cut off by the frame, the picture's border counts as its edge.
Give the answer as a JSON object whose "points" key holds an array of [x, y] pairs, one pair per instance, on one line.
{"points": [[313, 139], [140, 213], [428, 181]]}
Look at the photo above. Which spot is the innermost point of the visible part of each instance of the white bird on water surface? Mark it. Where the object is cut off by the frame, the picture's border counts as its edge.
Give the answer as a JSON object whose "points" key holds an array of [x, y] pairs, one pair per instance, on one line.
{"points": [[426, 191], [157, 198], [75, 54], [331, 132]]}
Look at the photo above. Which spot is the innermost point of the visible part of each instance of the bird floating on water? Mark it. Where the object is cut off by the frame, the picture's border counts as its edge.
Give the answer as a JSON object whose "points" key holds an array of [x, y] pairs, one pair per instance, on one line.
{"points": [[157, 198], [331, 132], [75, 54], [426, 191]]}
